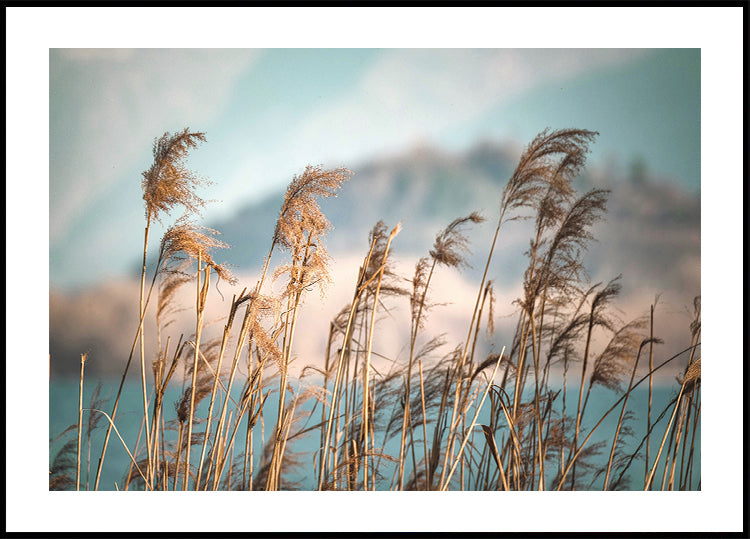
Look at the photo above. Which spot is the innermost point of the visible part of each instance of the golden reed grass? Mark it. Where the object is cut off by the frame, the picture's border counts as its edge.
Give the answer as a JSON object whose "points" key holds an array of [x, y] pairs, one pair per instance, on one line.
{"points": [[415, 425]]}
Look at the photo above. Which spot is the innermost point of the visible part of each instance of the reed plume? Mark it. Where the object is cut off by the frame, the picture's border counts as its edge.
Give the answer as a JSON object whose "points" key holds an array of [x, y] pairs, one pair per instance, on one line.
{"points": [[168, 182], [62, 473], [451, 244], [301, 226], [300, 229], [185, 241], [537, 168], [450, 249], [165, 184], [548, 163], [614, 361]]}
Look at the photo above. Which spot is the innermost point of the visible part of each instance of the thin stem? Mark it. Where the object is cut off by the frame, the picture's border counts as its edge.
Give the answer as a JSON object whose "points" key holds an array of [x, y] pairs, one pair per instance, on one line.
{"points": [[407, 397], [344, 351], [424, 426], [619, 422], [200, 299], [648, 375], [368, 353], [451, 434], [132, 459], [80, 421], [650, 392], [122, 379], [473, 422], [651, 474], [238, 350], [224, 339], [579, 413], [149, 470]]}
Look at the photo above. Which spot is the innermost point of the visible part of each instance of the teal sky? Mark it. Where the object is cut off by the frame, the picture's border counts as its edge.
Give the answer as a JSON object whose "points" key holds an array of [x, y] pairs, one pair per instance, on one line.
{"points": [[269, 112]]}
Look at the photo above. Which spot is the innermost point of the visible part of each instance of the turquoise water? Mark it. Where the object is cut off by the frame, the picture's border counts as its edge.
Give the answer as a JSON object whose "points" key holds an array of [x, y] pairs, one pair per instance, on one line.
{"points": [[63, 410]]}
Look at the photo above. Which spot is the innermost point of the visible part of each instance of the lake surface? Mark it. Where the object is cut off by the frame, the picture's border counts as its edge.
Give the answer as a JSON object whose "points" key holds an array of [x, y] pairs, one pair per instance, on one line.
{"points": [[63, 412]]}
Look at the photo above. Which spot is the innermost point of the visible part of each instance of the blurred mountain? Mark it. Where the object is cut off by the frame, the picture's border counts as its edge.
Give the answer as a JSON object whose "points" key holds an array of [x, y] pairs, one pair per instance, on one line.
{"points": [[650, 222], [424, 189], [650, 235]]}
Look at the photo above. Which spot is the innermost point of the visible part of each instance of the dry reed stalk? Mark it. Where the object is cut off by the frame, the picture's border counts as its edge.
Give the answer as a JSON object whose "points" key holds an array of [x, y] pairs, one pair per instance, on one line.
{"points": [[293, 305], [141, 308], [288, 419], [507, 201], [555, 270], [359, 288], [299, 228], [689, 471], [165, 184], [224, 445], [693, 371], [595, 318], [514, 457], [326, 372], [120, 387], [179, 454], [449, 249], [161, 381], [424, 426], [158, 372], [225, 336], [254, 393], [691, 376], [579, 449], [471, 327], [683, 415], [650, 391], [562, 420], [246, 321], [473, 421], [132, 459], [200, 304], [95, 402], [130, 475], [531, 180], [686, 429], [80, 422], [651, 474], [691, 379], [368, 351], [229, 439], [495, 456], [669, 455], [622, 413], [416, 320], [247, 397], [538, 425], [160, 389]]}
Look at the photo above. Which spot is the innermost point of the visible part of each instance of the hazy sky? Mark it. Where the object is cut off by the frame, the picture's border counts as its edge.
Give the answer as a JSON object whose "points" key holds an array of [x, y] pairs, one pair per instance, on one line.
{"points": [[269, 112]]}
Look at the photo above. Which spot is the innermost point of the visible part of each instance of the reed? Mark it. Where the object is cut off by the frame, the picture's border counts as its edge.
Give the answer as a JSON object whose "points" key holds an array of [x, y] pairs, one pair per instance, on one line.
{"points": [[402, 423], [80, 424]]}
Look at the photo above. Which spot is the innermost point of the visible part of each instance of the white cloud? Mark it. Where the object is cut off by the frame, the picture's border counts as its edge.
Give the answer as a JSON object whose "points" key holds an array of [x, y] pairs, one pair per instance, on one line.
{"points": [[128, 96], [411, 96], [416, 93]]}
